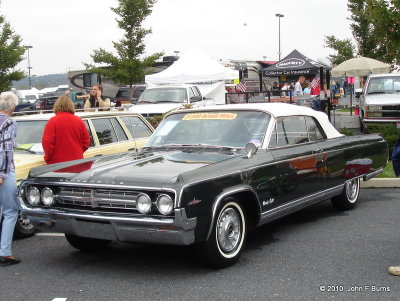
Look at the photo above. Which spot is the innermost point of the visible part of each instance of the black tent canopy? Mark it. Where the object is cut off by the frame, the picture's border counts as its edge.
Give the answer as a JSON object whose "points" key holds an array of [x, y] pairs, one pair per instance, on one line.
{"points": [[294, 63], [298, 64]]}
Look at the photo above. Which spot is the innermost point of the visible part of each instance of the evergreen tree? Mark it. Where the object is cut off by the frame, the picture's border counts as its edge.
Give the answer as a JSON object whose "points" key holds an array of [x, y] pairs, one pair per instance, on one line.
{"points": [[127, 66], [11, 53]]}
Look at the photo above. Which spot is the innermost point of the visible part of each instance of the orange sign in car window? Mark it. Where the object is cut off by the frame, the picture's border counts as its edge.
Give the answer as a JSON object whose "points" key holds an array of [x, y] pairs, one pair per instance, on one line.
{"points": [[210, 116]]}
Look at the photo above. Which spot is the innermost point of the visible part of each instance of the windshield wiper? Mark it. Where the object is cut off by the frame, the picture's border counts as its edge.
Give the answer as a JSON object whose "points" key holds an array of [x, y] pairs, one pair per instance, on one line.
{"points": [[25, 149], [376, 92], [192, 147], [161, 101]]}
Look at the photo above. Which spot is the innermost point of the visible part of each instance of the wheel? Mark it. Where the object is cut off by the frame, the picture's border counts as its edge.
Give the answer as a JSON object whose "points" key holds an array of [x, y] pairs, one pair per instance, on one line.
{"points": [[87, 244], [228, 235], [23, 227], [348, 199]]}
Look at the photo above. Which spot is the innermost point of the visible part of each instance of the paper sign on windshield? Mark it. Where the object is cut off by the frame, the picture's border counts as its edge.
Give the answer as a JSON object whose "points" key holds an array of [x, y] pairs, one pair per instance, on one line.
{"points": [[210, 116]]}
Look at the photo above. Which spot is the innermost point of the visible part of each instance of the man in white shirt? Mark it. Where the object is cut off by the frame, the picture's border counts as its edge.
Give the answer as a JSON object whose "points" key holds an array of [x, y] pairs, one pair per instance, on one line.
{"points": [[298, 89]]}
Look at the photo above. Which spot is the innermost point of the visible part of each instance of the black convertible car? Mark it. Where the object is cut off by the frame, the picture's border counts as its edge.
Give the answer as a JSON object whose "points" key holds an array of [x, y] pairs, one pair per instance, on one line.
{"points": [[205, 177]]}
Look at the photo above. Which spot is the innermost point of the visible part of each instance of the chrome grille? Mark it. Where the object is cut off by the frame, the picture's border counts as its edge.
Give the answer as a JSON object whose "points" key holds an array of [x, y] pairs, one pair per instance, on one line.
{"points": [[97, 198]]}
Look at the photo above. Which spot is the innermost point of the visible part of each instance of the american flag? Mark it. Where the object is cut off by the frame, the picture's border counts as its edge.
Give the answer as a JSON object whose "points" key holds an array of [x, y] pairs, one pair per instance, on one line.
{"points": [[315, 82], [242, 86]]}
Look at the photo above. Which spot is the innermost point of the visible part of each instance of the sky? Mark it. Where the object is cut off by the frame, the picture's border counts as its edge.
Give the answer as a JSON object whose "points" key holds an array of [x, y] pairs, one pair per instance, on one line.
{"points": [[64, 33]]}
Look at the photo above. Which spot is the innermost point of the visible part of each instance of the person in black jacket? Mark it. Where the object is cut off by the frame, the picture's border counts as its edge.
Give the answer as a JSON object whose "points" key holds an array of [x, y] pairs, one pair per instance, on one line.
{"points": [[97, 100], [395, 270]]}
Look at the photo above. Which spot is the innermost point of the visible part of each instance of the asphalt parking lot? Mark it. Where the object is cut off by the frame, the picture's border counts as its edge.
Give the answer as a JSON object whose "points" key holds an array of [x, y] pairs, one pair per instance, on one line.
{"points": [[314, 254]]}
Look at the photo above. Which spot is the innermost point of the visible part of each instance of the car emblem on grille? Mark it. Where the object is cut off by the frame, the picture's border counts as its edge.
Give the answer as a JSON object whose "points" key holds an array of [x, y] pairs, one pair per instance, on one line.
{"points": [[94, 202]]}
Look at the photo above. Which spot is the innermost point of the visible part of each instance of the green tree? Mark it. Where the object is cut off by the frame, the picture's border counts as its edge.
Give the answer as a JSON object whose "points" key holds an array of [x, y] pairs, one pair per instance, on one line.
{"points": [[128, 66], [344, 49], [375, 25], [384, 16], [376, 28], [11, 53], [361, 28]]}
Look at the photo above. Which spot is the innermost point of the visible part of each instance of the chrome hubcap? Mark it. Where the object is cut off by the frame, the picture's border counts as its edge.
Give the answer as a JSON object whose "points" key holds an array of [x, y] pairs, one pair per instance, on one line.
{"points": [[24, 221], [228, 230], [352, 190]]}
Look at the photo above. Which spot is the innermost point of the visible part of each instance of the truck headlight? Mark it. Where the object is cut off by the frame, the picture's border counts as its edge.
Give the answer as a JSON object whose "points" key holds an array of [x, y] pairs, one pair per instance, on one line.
{"points": [[33, 196], [374, 111], [143, 203], [47, 196], [165, 205]]}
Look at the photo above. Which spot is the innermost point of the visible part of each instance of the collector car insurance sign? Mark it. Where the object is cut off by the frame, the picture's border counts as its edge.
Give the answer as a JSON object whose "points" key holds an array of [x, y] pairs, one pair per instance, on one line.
{"points": [[210, 116]]}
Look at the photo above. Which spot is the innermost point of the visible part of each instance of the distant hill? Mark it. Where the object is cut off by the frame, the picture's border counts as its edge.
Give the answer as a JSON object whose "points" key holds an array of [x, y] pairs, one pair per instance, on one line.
{"points": [[42, 81]]}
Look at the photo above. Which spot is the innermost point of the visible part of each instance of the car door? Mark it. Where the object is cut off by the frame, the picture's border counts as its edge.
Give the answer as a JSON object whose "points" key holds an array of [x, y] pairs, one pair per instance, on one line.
{"points": [[299, 162], [194, 98], [109, 137], [208, 101], [138, 129]]}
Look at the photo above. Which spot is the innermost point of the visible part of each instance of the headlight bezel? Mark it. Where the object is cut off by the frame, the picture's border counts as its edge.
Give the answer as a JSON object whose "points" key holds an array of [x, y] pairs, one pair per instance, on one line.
{"points": [[28, 196], [148, 201], [43, 197], [169, 200]]}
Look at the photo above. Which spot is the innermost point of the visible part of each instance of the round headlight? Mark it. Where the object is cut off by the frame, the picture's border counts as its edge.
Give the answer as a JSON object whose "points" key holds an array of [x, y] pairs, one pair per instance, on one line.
{"points": [[47, 196], [33, 196], [143, 203], [165, 204]]}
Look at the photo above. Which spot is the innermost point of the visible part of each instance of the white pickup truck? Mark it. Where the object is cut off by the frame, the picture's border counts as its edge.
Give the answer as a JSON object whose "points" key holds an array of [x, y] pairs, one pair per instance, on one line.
{"points": [[380, 100], [158, 100]]}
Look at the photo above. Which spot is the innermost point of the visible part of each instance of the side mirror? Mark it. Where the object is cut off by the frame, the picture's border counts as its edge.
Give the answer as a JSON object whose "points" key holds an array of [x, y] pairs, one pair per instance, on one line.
{"points": [[196, 98], [251, 149]]}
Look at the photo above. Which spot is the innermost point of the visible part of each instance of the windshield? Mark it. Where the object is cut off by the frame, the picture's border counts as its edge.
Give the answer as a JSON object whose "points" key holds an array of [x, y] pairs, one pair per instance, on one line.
{"points": [[379, 85], [30, 97], [29, 135], [177, 95], [220, 128]]}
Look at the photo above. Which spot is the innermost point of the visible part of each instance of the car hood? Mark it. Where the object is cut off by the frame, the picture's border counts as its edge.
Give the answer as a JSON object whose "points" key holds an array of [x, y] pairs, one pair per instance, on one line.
{"points": [[157, 108], [382, 99], [132, 169], [24, 161]]}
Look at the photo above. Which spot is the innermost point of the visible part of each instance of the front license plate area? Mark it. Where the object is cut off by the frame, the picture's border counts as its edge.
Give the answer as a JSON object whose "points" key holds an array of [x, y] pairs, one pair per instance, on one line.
{"points": [[94, 229]]}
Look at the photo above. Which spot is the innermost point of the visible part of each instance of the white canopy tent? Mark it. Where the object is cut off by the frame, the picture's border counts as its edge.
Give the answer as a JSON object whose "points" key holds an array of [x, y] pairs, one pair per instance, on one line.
{"points": [[193, 67]]}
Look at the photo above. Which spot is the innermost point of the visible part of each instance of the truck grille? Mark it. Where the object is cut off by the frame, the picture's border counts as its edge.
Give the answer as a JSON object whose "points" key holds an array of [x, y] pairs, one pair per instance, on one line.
{"points": [[391, 111]]}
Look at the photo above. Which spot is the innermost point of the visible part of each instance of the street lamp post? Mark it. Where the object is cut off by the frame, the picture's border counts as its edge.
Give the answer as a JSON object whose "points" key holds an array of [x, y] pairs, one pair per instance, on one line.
{"points": [[29, 66], [279, 18]]}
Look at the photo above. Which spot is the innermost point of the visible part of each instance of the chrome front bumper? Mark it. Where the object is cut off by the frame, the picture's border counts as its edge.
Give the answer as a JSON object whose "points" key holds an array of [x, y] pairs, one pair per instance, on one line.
{"points": [[177, 230]]}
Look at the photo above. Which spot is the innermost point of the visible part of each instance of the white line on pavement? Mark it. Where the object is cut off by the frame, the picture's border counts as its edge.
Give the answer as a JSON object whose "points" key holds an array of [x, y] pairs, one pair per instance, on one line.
{"points": [[59, 299]]}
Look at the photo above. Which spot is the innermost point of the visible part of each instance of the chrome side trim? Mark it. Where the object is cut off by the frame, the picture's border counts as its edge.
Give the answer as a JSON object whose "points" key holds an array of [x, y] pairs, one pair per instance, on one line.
{"points": [[224, 195], [298, 204], [369, 176]]}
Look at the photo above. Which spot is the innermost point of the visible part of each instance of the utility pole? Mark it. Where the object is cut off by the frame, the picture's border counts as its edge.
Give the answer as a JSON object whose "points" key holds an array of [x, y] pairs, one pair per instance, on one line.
{"points": [[29, 65], [279, 33]]}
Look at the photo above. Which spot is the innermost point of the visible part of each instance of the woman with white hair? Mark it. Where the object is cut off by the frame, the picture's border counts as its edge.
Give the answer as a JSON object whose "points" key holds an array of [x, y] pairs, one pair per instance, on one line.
{"points": [[8, 190]]}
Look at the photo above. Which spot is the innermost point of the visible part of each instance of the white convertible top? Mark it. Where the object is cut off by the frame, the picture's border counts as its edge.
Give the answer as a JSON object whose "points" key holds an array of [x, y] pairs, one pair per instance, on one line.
{"points": [[281, 110]]}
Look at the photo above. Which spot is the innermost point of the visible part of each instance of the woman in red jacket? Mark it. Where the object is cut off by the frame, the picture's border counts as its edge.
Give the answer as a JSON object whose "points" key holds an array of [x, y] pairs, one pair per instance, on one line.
{"points": [[65, 136]]}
